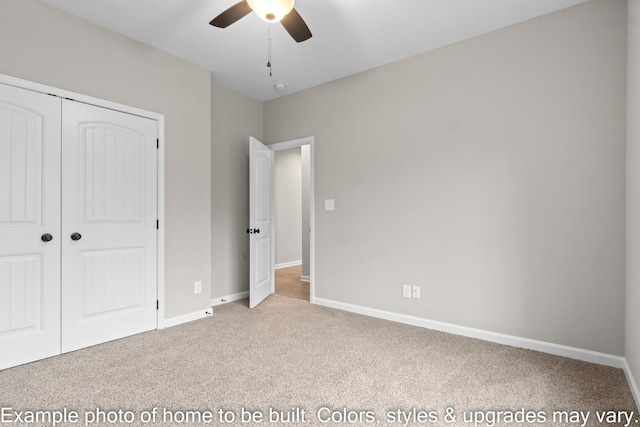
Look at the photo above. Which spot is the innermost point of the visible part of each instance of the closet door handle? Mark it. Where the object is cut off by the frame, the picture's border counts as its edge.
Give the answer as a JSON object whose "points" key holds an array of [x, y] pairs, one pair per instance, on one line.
{"points": [[46, 237], [76, 236]]}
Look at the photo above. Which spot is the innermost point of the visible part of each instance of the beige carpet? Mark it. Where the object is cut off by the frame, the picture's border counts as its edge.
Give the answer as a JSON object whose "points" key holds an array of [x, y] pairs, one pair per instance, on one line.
{"points": [[289, 359]]}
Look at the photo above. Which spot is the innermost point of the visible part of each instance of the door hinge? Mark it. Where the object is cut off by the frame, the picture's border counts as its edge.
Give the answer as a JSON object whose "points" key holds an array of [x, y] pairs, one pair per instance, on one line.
{"points": [[157, 304], [157, 224], [158, 143]]}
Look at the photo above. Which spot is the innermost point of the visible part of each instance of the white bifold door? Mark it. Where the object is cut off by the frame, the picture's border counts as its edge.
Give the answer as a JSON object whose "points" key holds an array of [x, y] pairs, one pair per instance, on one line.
{"points": [[78, 211]]}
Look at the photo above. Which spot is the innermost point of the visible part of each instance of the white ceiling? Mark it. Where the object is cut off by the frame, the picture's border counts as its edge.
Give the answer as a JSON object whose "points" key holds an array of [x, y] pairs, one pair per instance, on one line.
{"points": [[349, 36]]}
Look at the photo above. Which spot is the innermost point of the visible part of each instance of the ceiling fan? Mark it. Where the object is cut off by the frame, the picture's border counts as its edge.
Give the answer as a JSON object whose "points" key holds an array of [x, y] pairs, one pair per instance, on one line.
{"points": [[269, 10]]}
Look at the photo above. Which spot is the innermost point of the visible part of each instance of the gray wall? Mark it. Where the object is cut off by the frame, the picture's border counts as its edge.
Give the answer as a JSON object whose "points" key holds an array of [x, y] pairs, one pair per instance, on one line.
{"points": [[632, 341], [490, 172], [236, 117], [42, 44], [288, 205]]}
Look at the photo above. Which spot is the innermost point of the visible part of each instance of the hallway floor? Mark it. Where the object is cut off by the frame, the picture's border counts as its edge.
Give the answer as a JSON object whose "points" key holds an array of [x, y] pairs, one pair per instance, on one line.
{"points": [[288, 283]]}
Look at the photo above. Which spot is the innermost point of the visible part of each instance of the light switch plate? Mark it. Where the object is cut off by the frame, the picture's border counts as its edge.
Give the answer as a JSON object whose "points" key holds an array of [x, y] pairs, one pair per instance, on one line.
{"points": [[329, 205]]}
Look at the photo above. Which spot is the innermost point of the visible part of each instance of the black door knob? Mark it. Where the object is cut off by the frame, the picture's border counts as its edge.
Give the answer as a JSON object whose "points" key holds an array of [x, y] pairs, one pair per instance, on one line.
{"points": [[46, 237], [76, 236]]}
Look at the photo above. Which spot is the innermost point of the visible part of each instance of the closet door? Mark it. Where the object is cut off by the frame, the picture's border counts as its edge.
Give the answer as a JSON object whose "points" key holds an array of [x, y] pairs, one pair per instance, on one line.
{"points": [[29, 226], [109, 211]]}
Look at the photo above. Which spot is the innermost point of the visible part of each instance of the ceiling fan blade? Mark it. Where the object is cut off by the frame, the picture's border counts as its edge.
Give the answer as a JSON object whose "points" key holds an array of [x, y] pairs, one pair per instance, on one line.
{"points": [[231, 15], [296, 27]]}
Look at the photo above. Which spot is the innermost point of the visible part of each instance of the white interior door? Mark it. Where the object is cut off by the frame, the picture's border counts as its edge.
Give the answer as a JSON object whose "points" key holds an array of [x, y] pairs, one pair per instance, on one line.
{"points": [[29, 215], [109, 211], [261, 270]]}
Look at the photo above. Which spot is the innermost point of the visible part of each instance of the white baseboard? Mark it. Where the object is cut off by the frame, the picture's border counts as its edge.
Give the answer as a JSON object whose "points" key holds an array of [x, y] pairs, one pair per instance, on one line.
{"points": [[288, 264], [305, 279], [229, 298], [514, 341], [185, 318], [189, 317], [632, 383]]}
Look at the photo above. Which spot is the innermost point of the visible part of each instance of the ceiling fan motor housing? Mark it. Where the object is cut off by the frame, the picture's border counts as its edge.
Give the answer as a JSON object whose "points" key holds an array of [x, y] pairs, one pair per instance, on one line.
{"points": [[271, 10]]}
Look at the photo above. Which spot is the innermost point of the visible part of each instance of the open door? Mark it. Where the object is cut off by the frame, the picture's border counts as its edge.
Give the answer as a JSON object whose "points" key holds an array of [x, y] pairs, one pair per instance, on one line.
{"points": [[261, 245]]}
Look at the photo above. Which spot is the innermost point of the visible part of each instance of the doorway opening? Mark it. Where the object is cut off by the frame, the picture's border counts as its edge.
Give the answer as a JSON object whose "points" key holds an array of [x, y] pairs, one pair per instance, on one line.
{"points": [[294, 222]]}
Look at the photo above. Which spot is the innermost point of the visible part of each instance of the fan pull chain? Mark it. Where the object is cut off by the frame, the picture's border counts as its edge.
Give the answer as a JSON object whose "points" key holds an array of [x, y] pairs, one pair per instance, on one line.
{"points": [[269, 50]]}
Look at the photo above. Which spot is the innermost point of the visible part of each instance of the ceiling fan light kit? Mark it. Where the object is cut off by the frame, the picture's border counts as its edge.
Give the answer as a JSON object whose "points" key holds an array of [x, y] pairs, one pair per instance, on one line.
{"points": [[271, 10]]}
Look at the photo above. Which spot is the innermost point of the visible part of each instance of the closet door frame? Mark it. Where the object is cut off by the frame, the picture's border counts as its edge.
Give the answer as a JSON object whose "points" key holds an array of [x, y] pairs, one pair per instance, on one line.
{"points": [[159, 118]]}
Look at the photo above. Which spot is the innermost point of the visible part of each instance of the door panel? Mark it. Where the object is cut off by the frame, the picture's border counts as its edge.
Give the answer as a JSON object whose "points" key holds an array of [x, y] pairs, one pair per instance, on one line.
{"points": [[113, 184], [20, 300], [113, 281], [261, 274], [29, 209], [109, 199]]}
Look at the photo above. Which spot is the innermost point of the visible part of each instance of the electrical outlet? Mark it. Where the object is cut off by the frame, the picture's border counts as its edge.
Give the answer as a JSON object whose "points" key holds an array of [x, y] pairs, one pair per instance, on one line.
{"points": [[406, 291], [197, 287], [416, 291]]}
